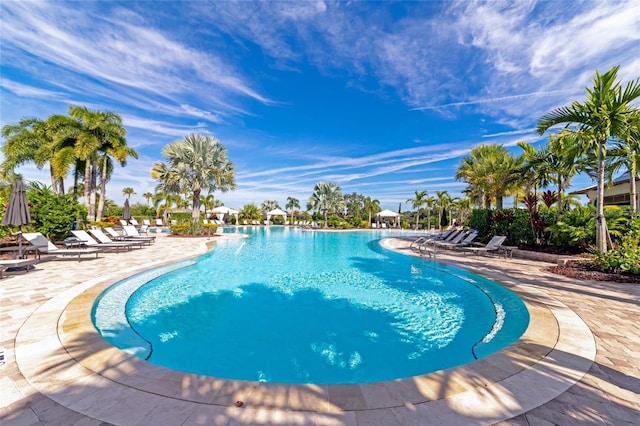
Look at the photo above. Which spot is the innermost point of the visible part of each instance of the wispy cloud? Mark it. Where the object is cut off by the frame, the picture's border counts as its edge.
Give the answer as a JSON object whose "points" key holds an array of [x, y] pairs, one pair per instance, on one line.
{"points": [[117, 48]]}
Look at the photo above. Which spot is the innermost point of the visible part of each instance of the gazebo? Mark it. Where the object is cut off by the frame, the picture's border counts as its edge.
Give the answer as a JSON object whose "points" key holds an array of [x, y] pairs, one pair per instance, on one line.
{"points": [[222, 210], [276, 212], [388, 213]]}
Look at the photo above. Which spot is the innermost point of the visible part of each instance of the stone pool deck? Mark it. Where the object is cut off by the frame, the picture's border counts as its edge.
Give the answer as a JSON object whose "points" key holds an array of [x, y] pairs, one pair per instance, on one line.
{"points": [[578, 363]]}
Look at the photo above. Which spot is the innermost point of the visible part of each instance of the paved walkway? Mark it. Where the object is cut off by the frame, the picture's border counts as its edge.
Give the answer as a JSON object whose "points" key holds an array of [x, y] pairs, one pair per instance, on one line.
{"points": [[55, 372]]}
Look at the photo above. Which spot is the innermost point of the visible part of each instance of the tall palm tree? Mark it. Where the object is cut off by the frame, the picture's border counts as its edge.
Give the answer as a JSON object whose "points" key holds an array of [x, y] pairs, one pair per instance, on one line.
{"points": [[326, 198], [128, 191], [417, 203], [292, 204], [40, 142], [606, 113], [269, 205], [444, 200], [625, 154], [196, 163], [112, 149], [371, 206], [429, 203], [148, 196], [102, 136]]}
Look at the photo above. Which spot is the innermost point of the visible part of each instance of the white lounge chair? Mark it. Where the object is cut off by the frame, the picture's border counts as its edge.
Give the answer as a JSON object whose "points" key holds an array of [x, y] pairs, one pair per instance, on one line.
{"points": [[104, 239], [15, 263], [159, 222], [43, 245], [132, 233], [88, 241]]}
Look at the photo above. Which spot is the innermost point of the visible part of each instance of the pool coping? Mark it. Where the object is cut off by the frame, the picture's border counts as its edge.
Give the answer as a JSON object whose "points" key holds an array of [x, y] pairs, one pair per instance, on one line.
{"points": [[57, 349]]}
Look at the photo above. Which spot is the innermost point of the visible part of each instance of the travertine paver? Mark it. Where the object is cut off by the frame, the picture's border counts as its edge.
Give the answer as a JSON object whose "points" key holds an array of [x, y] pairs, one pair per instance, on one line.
{"points": [[608, 394]]}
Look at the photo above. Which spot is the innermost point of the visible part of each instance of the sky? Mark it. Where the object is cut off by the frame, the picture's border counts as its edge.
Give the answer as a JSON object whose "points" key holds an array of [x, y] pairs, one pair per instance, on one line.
{"points": [[381, 98]]}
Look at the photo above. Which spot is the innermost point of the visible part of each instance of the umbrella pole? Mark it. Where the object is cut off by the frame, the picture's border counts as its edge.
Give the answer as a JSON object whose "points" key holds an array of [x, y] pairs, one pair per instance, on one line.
{"points": [[20, 243]]}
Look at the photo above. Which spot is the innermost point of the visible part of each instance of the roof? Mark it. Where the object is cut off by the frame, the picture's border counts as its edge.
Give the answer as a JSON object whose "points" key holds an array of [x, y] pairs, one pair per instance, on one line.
{"points": [[624, 178]]}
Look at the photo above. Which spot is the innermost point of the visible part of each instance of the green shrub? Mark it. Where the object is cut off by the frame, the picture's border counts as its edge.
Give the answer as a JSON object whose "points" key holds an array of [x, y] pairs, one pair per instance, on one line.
{"points": [[180, 228], [624, 258], [53, 214], [181, 217], [481, 221]]}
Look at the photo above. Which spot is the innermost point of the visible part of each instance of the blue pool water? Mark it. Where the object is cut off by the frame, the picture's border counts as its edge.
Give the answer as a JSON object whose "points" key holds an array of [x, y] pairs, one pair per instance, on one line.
{"points": [[294, 306]]}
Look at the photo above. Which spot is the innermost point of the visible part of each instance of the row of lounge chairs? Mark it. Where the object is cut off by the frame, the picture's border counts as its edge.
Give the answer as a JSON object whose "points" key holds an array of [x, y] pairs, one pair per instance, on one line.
{"points": [[90, 243], [460, 240]]}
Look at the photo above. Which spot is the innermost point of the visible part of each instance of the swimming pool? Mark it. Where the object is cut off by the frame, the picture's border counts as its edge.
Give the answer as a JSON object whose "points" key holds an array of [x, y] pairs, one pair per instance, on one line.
{"points": [[294, 306]]}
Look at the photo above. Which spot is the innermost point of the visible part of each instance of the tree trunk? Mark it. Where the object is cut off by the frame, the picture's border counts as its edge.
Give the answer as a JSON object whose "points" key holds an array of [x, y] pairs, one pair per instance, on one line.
{"points": [[92, 193], [87, 183], [560, 205], [195, 212], [54, 181], [601, 224], [103, 190], [634, 206]]}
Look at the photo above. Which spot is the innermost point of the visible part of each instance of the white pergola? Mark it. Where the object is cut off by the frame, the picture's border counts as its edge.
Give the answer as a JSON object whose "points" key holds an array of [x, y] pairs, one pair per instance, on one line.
{"points": [[222, 210], [276, 212], [388, 213]]}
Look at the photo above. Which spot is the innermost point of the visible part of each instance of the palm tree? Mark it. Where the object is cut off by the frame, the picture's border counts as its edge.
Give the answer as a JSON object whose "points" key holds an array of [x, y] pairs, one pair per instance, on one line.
{"points": [[250, 212], [429, 203], [148, 196], [606, 113], [101, 137], [326, 197], [40, 142], [371, 206], [195, 163], [625, 154], [444, 200], [551, 164], [208, 202], [491, 172], [128, 191], [417, 203], [113, 148], [269, 205], [292, 204]]}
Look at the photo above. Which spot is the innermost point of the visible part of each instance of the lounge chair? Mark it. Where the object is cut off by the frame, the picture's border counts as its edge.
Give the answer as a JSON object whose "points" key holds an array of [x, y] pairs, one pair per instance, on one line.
{"points": [[104, 239], [159, 222], [146, 222], [15, 263], [43, 245], [463, 242], [88, 241], [132, 233], [495, 244], [134, 222]]}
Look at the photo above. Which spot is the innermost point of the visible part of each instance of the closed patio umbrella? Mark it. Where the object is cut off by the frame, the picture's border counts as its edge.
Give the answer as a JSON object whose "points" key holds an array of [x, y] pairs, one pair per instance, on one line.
{"points": [[126, 212], [17, 213]]}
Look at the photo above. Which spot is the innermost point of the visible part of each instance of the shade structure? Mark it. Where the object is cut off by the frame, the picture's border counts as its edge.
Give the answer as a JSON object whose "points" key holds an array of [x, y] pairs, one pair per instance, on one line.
{"points": [[276, 212], [126, 212], [17, 213], [388, 213], [223, 210]]}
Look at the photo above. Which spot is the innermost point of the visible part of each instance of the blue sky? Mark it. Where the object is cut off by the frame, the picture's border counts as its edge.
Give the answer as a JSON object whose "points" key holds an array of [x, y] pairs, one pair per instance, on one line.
{"points": [[382, 98]]}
